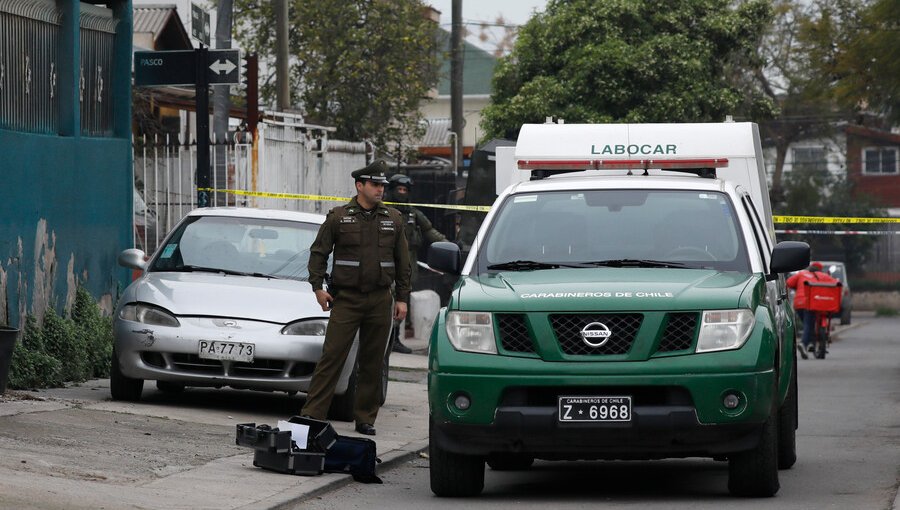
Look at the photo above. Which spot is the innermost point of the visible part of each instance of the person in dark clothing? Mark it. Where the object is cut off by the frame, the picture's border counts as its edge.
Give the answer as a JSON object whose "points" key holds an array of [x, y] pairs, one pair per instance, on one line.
{"points": [[419, 231]]}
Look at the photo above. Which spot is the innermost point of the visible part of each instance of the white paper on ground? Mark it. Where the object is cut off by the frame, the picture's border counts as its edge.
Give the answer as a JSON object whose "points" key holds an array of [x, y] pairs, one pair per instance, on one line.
{"points": [[299, 432]]}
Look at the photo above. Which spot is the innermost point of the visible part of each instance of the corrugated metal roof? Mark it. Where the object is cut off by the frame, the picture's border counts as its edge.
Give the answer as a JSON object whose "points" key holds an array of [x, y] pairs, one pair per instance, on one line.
{"points": [[437, 133], [152, 18]]}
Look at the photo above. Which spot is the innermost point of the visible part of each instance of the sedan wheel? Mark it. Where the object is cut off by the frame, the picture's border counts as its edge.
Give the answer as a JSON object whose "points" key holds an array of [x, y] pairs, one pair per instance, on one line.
{"points": [[122, 387]]}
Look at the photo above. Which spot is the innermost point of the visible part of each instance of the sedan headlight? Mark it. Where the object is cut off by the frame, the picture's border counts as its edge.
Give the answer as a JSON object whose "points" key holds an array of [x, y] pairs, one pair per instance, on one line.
{"points": [[471, 332], [148, 314], [311, 327], [723, 330]]}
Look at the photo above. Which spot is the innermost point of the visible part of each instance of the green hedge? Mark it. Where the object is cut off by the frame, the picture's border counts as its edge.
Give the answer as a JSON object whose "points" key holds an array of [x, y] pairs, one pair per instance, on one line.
{"points": [[61, 349]]}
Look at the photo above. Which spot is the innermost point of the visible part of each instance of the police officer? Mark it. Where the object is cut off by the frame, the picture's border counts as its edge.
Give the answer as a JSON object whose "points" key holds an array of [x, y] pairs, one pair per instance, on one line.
{"points": [[370, 255], [418, 230]]}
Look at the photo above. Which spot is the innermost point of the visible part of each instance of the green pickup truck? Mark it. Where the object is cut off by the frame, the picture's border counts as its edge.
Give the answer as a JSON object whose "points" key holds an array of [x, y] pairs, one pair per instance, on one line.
{"points": [[619, 303]]}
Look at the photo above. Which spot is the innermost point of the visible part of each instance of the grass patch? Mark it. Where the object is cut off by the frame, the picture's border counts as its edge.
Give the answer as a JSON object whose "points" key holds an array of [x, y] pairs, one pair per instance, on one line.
{"points": [[886, 312]]}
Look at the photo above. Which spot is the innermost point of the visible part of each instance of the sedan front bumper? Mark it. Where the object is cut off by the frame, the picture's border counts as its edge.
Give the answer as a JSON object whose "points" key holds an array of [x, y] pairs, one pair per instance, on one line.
{"points": [[280, 362]]}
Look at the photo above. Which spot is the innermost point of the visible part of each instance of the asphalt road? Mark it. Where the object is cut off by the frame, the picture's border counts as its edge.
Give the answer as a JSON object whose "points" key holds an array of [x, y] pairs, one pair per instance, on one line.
{"points": [[848, 448]]}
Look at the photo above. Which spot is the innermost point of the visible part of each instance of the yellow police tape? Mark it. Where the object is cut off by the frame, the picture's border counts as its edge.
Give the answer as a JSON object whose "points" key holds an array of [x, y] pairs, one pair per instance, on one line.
{"points": [[486, 208], [327, 198], [832, 219]]}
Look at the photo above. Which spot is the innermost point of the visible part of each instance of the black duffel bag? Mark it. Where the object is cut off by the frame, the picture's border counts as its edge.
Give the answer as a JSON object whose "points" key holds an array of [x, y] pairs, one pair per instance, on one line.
{"points": [[353, 455]]}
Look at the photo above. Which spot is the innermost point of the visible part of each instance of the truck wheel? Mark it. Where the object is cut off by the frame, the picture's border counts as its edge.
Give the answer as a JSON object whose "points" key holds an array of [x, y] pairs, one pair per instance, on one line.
{"points": [[787, 425], [342, 405], [454, 475], [122, 387], [509, 461], [754, 473]]}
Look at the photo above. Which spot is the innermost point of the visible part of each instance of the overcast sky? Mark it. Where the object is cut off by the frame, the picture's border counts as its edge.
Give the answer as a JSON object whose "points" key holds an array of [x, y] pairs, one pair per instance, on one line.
{"points": [[515, 12]]}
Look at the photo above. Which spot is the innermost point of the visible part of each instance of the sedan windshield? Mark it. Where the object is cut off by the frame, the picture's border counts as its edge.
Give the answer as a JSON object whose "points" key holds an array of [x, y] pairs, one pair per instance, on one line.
{"points": [[239, 246], [620, 228]]}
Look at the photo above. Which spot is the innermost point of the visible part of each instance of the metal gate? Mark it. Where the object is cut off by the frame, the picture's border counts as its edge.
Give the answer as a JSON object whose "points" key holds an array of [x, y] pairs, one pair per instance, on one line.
{"points": [[292, 157]]}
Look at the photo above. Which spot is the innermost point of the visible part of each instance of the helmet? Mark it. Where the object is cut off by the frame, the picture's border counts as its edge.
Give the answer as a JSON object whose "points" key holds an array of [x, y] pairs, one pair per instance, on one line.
{"points": [[400, 180], [816, 265]]}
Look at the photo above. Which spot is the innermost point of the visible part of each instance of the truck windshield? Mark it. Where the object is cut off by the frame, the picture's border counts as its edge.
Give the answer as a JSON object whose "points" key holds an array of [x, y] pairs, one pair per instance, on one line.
{"points": [[615, 228]]}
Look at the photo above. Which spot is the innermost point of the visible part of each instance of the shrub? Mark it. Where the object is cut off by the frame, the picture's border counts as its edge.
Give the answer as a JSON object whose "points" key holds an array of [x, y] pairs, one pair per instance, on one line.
{"points": [[886, 312], [63, 350]]}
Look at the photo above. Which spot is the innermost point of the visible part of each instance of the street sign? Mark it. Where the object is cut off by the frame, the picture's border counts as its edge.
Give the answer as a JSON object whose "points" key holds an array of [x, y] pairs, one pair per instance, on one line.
{"points": [[199, 23], [179, 67], [176, 67], [224, 67]]}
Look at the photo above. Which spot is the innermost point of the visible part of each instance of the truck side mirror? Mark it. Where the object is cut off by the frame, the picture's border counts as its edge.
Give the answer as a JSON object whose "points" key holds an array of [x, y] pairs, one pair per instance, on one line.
{"points": [[444, 256], [789, 256]]}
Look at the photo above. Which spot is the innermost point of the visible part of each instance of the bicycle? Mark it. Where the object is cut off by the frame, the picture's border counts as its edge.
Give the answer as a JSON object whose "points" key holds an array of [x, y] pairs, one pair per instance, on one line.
{"points": [[823, 299]]}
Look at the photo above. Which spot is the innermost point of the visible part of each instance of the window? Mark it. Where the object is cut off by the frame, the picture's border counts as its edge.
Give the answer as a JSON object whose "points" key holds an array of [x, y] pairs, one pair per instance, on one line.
{"points": [[880, 160], [812, 158]]}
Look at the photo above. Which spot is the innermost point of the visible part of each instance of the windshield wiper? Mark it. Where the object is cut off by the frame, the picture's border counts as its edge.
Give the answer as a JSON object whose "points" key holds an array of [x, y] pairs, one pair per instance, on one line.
{"points": [[522, 265], [203, 269], [638, 263]]}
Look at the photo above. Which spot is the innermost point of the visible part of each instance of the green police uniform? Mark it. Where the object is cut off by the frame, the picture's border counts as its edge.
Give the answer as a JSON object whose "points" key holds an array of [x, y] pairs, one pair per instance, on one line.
{"points": [[370, 254], [418, 229]]}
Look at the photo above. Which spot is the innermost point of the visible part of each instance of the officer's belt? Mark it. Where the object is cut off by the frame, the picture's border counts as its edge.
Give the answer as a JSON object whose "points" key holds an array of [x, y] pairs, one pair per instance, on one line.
{"points": [[355, 263]]}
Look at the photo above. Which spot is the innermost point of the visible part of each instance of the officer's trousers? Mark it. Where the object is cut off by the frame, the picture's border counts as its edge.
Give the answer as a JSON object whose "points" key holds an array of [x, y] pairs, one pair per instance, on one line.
{"points": [[370, 314]]}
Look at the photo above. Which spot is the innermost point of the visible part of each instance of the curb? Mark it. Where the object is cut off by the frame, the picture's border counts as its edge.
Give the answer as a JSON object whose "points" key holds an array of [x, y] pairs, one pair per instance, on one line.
{"points": [[338, 481]]}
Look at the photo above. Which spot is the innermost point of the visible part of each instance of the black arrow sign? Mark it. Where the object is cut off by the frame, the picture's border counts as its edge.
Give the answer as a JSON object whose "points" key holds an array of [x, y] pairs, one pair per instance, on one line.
{"points": [[178, 67]]}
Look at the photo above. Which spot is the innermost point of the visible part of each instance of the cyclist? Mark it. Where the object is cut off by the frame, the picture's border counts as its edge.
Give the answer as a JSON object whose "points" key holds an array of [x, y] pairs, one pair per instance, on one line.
{"points": [[801, 301]]}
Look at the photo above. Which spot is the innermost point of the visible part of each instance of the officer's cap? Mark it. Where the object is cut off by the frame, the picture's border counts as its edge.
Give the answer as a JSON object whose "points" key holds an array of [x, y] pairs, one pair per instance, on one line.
{"points": [[373, 172]]}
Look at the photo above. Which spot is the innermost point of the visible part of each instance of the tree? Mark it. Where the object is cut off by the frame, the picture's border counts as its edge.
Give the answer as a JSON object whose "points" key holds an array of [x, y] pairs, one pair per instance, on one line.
{"points": [[793, 77], [866, 64], [362, 66], [628, 61]]}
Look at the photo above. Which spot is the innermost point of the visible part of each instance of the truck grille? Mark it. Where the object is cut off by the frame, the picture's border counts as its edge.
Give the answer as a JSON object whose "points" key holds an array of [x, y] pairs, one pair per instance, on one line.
{"points": [[514, 335], [681, 328], [623, 328]]}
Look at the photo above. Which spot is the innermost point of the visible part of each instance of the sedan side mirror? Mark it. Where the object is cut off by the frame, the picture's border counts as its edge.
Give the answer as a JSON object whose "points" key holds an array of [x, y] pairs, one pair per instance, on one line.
{"points": [[133, 258], [444, 256], [789, 256]]}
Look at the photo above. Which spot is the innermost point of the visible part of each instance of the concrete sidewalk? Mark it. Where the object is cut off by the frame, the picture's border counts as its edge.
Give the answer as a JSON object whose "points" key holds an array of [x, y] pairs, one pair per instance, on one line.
{"points": [[76, 448]]}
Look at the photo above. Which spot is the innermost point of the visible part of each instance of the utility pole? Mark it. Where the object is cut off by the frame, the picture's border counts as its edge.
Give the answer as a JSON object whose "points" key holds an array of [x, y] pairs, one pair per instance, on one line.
{"points": [[457, 122], [222, 98], [201, 88], [282, 86]]}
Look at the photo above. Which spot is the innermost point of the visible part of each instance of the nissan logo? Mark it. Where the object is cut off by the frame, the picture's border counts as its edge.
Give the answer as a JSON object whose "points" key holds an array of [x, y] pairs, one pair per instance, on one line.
{"points": [[595, 334]]}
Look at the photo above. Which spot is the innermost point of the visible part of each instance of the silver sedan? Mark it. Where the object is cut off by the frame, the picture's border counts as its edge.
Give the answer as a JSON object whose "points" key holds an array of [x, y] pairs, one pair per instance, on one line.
{"points": [[225, 301]]}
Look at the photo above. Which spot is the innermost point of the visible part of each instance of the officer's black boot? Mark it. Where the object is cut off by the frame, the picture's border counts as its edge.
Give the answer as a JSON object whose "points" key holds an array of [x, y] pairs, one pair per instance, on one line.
{"points": [[396, 344]]}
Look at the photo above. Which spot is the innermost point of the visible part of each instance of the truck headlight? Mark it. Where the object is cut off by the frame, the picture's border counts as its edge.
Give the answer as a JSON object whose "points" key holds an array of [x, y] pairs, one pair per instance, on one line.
{"points": [[471, 332], [147, 314], [311, 327], [723, 330]]}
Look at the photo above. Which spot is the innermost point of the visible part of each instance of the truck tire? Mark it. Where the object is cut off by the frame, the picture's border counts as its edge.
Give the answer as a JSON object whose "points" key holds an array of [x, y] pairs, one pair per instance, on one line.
{"points": [[122, 387], [454, 475], [787, 425], [509, 461], [754, 473]]}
